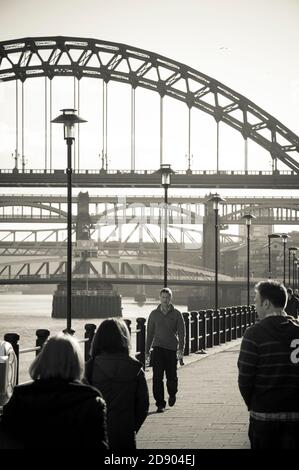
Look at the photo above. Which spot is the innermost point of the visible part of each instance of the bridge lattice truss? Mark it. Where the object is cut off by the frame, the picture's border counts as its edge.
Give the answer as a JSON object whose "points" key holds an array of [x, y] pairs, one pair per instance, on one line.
{"points": [[186, 216], [25, 58], [51, 267]]}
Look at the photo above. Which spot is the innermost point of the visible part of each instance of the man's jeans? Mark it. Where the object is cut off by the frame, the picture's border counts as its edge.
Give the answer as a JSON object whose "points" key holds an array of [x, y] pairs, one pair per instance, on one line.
{"points": [[164, 360]]}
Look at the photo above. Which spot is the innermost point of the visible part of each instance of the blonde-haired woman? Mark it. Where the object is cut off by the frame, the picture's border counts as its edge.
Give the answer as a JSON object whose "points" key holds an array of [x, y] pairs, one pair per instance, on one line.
{"points": [[56, 410], [121, 380]]}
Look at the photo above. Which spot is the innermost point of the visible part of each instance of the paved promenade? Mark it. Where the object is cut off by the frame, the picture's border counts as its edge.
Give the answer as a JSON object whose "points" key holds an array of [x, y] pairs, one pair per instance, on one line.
{"points": [[209, 413]]}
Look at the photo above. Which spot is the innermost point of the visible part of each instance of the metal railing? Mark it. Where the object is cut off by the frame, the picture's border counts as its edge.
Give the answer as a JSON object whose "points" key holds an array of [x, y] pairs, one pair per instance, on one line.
{"points": [[204, 329], [91, 171]]}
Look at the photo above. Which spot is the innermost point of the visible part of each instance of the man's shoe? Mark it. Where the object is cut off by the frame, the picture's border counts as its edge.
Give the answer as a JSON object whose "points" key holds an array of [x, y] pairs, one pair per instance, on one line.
{"points": [[160, 409], [171, 400]]}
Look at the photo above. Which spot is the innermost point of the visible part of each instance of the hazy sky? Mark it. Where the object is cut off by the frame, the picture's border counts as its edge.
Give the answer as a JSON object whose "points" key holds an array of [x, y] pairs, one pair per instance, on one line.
{"points": [[250, 45]]}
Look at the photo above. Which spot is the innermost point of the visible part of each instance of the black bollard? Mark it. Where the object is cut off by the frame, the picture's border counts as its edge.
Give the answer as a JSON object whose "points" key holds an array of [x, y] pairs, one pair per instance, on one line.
{"points": [[186, 317], [234, 323], [41, 338], [90, 329], [128, 323], [140, 339], [202, 331], [194, 332], [210, 328], [228, 315], [216, 332], [223, 325], [13, 339], [239, 321]]}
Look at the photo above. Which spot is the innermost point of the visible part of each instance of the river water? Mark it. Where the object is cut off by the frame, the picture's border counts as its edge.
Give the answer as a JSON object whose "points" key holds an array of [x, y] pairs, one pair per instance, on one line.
{"points": [[24, 314]]}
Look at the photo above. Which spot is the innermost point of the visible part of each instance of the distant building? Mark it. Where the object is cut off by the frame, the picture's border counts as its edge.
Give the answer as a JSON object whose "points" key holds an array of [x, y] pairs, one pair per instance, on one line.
{"points": [[233, 260]]}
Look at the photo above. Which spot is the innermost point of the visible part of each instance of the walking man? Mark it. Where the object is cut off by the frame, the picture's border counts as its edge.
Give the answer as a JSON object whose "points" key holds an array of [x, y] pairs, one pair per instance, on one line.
{"points": [[269, 371], [166, 333]]}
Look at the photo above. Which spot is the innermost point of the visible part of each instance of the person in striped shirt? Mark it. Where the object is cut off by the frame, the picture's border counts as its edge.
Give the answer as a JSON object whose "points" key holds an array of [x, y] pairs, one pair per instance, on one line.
{"points": [[268, 366]]}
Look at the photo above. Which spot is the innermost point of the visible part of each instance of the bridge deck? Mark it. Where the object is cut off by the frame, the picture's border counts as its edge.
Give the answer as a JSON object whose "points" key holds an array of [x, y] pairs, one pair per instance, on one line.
{"points": [[204, 179], [209, 413]]}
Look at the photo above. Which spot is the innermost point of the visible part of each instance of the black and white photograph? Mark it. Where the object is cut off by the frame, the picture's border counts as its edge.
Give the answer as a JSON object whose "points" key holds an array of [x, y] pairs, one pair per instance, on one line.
{"points": [[149, 239]]}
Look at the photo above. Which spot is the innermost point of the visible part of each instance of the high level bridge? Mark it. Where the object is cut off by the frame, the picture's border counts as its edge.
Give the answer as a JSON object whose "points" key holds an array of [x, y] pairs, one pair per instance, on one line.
{"points": [[48, 63], [244, 146]]}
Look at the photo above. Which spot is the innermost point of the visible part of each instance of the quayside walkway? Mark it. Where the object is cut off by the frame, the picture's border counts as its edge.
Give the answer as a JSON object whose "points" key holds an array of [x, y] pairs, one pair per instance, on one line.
{"points": [[209, 413]]}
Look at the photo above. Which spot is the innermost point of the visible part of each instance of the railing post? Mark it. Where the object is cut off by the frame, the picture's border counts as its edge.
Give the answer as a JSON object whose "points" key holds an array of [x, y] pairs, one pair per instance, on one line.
{"points": [[90, 329], [140, 339], [222, 325], [252, 314], [128, 323], [194, 331], [234, 322], [13, 339], [247, 317], [210, 328], [239, 321], [202, 330], [243, 319], [216, 332], [228, 331], [186, 317], [41, 338]]}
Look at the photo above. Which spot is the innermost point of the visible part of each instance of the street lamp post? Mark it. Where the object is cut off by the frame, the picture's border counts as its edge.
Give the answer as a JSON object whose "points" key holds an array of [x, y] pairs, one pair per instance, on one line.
{"points": [[216, 199], [291, 249], [166, 172], [248, 218], [284, 237], [68, 118], [272, 235]]}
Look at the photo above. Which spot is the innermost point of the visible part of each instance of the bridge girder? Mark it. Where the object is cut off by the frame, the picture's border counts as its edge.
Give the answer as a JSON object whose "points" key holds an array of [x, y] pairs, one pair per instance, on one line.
{"points": [[25, 58], [134, 211]]}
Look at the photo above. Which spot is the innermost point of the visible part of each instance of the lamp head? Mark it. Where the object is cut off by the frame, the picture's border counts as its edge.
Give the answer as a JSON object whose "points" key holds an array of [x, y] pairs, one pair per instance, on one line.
{"points": [[166, 171], [274, 235], [248, 218], [284, 237], [216, 199], [68, 118], [292, 248]]}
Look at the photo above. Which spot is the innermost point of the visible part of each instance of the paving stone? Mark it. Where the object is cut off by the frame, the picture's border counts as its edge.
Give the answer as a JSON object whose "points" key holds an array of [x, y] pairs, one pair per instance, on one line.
{"points": [[209, 413]]}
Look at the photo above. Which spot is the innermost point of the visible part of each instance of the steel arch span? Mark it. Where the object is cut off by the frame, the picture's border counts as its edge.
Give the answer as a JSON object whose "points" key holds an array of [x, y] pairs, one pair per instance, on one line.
{"points": [[25, 58]]}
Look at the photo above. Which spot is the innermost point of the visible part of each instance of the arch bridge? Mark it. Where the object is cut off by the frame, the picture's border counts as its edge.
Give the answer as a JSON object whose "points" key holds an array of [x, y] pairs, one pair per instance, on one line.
{"points": [[51, 57], [133, 209]]}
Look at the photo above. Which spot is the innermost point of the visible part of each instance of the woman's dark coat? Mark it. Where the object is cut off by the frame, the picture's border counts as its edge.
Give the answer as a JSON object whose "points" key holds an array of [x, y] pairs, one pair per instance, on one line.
{"points": [[56, 414], [121, 380]]}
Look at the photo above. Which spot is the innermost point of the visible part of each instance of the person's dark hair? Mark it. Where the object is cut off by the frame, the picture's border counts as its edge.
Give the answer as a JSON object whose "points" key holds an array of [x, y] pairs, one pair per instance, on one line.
{"points": [[273, 291], [112, 336], [290, 290], [166, 290]]}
